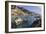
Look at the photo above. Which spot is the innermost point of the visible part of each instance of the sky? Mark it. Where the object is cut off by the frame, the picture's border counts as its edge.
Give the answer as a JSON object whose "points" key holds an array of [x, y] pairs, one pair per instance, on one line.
{"points": [[35, 9]]}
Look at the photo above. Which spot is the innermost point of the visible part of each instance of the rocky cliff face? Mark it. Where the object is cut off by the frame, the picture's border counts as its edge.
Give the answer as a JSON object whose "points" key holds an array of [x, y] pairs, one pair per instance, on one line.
{"points": [[20, 11]]}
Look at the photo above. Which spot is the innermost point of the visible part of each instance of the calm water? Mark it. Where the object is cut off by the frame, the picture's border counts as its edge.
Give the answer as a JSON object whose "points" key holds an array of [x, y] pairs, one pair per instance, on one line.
{"points": [[28, 20]]}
